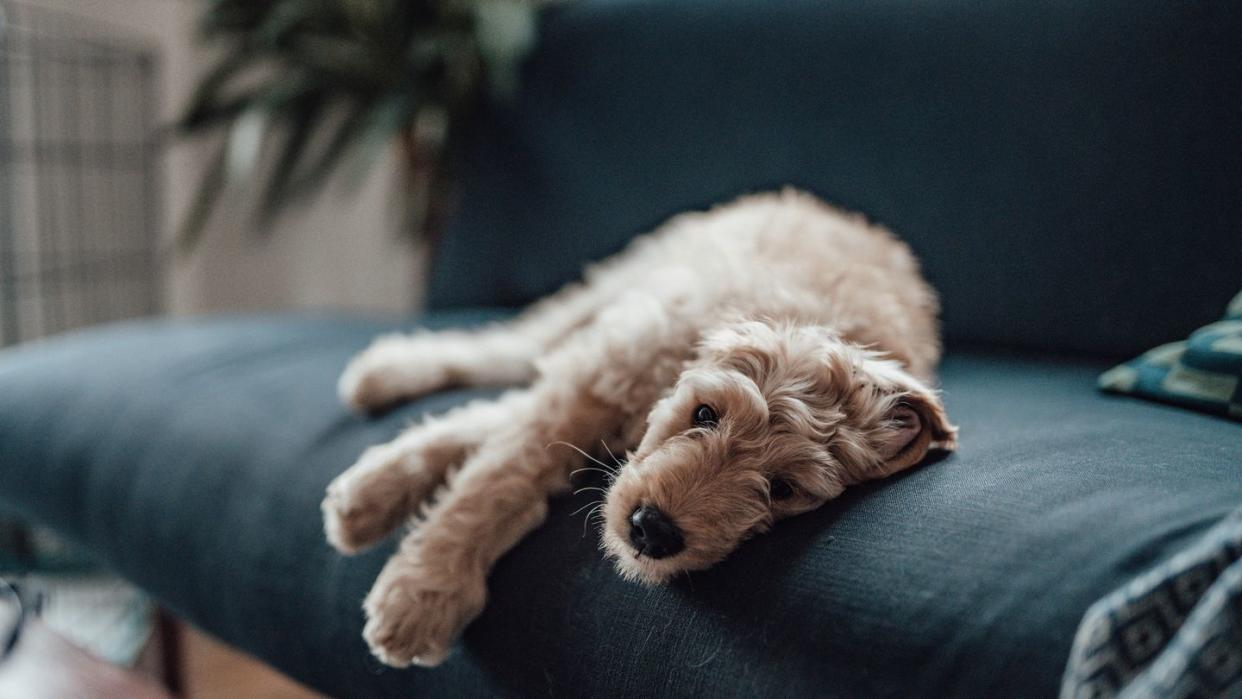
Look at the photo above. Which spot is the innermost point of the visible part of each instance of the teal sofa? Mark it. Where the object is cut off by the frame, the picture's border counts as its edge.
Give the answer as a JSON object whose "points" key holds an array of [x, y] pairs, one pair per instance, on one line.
{"points": [[1069, 174]]}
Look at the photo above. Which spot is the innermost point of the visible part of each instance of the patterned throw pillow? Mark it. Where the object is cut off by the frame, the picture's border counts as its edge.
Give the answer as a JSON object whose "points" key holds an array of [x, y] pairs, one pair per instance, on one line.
{"points": [[1203, 372], [1174, 631]]}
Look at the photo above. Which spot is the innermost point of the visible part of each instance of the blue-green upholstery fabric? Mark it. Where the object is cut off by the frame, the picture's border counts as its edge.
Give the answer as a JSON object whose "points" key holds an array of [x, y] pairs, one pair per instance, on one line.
{"points": [[1067, 171], [1203, 372], [192, 456]]}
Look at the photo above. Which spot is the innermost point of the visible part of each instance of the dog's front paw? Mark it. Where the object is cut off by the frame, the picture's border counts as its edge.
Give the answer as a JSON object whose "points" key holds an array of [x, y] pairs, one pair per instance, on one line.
{"points": [[372, 498], [393, 368], [414, 615]]}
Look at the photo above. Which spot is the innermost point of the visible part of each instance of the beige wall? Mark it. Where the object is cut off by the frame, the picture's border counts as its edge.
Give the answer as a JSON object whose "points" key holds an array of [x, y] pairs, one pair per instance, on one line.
{"points": [[340, 252]]}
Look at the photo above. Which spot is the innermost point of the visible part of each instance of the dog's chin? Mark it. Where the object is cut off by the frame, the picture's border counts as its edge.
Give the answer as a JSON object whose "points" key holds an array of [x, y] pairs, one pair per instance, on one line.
{"points": [[643, 569], [646, 570]]}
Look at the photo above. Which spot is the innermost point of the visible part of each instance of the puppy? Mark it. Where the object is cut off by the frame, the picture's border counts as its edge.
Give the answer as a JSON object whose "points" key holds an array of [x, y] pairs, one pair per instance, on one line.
{"points": [[752, 361]]}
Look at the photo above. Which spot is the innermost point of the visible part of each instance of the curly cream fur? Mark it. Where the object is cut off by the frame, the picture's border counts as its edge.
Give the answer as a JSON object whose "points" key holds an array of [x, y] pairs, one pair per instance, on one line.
{"points": [[808, 330]]}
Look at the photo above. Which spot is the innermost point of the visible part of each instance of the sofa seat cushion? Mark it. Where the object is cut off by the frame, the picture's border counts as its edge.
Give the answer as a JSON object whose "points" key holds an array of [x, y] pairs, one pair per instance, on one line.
{"points": [[191, 456]]}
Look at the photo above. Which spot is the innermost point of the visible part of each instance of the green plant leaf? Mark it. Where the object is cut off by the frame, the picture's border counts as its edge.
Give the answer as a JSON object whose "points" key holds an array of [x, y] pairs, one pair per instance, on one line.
{"points": [[297, 131], [209, 189], [389, 118], [345, 135], [246, 145], [338, 80], [206, 106]]}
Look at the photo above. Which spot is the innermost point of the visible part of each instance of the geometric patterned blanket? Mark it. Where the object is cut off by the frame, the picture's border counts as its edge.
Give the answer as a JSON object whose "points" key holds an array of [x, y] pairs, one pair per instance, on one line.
{"points": [[1175, 631], [1203, 372]]}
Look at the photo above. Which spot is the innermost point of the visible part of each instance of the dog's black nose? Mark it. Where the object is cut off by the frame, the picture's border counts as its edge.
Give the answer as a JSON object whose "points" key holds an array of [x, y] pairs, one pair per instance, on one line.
{"points": [[654, 534]]}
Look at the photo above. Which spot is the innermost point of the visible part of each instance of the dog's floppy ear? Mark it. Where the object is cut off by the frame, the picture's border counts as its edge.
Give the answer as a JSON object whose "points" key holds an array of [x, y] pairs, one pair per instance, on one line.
{"points": [[913, 422]]}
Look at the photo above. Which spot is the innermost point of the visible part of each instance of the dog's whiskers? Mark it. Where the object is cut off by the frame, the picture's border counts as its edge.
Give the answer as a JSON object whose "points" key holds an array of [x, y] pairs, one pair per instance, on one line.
{"points": [[609, 474], [596, 507], [608, 471], [593, 503], [586, 521], [590, 458], [614, 458]]}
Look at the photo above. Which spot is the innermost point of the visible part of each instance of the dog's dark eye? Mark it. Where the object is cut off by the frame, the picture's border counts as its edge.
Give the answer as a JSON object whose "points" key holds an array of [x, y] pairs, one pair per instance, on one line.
{"points": [[780, 489], [704, 416]]}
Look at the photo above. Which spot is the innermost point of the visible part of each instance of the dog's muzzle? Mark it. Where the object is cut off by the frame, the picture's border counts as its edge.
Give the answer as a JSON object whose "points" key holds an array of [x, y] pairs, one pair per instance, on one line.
{"points": [[653, 534]]}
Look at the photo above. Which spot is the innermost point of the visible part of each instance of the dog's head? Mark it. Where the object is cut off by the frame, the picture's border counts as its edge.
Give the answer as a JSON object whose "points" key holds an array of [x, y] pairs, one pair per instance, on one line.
{"points": [[771, 420]]}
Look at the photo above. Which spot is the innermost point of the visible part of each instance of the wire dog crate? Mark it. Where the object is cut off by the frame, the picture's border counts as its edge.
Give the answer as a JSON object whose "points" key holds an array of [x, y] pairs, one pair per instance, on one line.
{"points": [[78, 174]]}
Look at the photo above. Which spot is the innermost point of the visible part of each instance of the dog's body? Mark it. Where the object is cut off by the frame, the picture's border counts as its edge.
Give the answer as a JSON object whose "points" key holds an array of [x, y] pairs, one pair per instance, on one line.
{"points": [[753, 361]]}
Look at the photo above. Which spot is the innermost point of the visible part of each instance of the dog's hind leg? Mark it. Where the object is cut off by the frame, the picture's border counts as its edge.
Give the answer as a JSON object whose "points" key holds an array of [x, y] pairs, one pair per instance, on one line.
{"points": [[403, 366], [391, 481]]}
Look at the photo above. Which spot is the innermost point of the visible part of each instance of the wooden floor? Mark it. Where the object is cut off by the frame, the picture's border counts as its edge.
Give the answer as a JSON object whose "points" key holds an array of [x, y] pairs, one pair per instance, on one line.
{"points": [[214, 671]]}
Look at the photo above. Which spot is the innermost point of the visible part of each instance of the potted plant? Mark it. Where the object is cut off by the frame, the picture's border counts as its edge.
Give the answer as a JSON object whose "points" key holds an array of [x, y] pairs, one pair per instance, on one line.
{"points": [[314, 84]]}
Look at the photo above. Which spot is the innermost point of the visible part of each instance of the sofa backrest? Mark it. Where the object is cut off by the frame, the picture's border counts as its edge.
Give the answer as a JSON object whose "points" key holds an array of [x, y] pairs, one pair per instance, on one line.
{"points": [[1070, 172]]}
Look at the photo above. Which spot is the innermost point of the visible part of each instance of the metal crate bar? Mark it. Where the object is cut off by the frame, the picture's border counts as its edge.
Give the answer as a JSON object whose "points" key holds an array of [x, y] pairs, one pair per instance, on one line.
{"points": [[79, 161]]}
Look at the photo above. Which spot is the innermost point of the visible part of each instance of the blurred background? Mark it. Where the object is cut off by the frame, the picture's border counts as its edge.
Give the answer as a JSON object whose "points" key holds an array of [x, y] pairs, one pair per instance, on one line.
{"points": [[115, 118], [91, 89]]}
